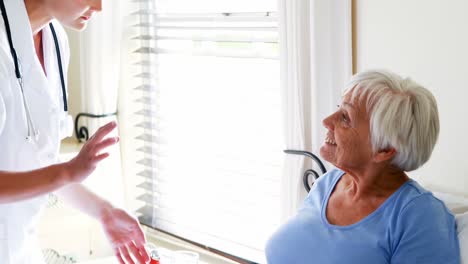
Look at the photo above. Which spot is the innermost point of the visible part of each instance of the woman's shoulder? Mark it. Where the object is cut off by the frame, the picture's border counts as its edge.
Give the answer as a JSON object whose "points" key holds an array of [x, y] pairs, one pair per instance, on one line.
{"points": [[423, 227], [331, 175], [415, 201], [324, 183], [327, 179]]}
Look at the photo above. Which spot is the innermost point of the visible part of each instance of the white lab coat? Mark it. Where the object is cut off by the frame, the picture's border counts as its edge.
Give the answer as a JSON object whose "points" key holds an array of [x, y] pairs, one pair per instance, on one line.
{"points": [[18, 243]]}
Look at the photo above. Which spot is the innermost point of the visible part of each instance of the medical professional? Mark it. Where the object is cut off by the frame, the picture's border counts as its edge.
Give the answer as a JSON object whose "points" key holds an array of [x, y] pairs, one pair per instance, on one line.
{"points": [[34, 56]]}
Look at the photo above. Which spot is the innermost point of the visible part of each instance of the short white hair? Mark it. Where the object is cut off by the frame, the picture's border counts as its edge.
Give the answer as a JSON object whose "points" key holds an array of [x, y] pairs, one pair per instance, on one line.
{"points": [[402, 113]]}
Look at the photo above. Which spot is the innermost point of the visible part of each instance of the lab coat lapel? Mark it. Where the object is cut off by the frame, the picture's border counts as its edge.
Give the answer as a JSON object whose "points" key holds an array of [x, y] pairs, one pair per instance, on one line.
{"points": [[52, 67], [50, 62], [21, 33], [37, 90], [24, 44]]}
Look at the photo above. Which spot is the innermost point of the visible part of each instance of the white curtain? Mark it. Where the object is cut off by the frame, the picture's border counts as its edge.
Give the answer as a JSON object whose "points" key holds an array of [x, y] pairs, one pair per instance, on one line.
{"points": [[100, 49], [315, 39], [331, 65], [295, 82]]}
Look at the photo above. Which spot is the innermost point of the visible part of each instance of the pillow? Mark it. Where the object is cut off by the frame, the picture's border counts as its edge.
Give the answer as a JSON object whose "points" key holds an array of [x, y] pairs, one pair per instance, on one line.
{"points": [[462, 229]]}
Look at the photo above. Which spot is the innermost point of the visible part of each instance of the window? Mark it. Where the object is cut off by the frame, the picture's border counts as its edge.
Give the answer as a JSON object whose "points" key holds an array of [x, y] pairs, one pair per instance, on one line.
{"points": [[209, 145]]}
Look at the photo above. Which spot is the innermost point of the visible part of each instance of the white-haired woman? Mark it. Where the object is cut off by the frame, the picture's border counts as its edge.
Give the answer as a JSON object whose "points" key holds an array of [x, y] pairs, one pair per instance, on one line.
{"points": [[368, 210]]}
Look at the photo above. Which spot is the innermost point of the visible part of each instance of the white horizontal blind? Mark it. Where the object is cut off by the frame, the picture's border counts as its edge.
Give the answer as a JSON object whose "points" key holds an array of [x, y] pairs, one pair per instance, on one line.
{"points": [[210, 143]]}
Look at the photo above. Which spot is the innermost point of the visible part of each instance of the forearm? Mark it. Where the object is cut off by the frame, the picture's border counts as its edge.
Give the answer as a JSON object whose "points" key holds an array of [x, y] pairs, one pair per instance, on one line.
{"points": [[18, 186], [121, 229], [81, 198]]}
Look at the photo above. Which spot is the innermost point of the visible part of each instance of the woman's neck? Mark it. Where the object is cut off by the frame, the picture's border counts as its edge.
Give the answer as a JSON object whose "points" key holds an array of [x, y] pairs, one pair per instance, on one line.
{"points": [[38, 16], [374, 182]]}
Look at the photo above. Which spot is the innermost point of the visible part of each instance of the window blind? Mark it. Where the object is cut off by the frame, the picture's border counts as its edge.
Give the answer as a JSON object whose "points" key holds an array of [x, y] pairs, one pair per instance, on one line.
{"points": [[209, 133]]}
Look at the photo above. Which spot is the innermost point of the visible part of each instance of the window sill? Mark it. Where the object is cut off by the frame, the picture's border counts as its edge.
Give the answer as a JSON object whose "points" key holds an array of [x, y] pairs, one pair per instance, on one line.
{"points": [[166, 241]]}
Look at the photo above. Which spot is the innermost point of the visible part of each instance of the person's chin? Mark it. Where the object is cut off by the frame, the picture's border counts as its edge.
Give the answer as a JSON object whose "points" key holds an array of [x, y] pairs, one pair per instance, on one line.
{"points": [[326, 152], [76, 25]]}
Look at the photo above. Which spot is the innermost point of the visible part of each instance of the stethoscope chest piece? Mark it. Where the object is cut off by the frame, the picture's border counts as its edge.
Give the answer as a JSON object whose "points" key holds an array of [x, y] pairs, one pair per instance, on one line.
{"points": [[33, 138]]}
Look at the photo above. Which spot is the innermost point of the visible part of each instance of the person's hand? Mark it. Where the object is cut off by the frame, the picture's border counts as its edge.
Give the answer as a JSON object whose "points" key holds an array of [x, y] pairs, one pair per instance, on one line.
{"points": [[90, 154], [125, 235]]}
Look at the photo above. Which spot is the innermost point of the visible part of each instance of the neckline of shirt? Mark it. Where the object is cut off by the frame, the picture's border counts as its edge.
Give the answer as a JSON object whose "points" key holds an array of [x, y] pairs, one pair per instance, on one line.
{"points": [[363, 220]]}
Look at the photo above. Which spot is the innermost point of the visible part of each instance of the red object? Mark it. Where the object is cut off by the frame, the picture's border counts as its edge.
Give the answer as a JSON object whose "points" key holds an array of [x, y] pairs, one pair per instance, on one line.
{"points": [[154, 261]]}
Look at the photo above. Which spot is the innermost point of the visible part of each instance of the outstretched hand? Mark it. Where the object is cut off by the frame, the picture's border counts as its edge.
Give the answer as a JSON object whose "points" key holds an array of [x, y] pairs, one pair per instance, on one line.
{"points": [[92, 152], [126, 237]]}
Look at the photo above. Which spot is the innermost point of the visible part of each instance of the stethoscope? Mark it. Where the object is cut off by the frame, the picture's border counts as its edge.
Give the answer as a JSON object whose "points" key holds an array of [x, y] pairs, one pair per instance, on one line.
{"points": [[32, 131]]}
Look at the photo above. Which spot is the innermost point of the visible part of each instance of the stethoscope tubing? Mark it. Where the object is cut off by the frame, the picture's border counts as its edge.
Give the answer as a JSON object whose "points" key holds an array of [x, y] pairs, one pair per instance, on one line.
{"points": [[59, 62], [30, 124], [10, 40]]}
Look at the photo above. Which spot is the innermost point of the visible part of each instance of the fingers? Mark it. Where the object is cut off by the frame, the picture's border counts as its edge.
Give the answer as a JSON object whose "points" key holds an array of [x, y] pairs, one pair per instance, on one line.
{"points": [[131, 253], [105, 143], [119, 258], [100, 157], [143, 252], [117, 255], [104, 131], [125, 255], [137, 254]]}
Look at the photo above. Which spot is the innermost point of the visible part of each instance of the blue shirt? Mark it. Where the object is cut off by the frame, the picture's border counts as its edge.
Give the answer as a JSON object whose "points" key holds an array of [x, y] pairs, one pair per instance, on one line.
{"points": [[411, 226]]}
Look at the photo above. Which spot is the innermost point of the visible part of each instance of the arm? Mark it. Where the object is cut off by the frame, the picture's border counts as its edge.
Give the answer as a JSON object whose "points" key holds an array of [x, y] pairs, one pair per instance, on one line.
{"points": [[17, 186], [426, 233], [81, 198], [123, 231]]}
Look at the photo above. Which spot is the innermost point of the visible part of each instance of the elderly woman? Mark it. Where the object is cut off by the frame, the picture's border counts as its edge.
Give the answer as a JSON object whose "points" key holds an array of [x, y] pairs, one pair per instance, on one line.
{"points": [[368, 210]]}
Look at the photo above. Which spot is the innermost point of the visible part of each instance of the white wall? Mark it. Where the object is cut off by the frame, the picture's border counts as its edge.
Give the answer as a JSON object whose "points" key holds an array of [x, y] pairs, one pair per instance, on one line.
{"points": [[428, 41]]}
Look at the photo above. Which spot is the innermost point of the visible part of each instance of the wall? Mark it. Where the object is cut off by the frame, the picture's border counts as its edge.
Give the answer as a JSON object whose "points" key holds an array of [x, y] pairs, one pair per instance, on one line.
{"points": [[428, 41]]}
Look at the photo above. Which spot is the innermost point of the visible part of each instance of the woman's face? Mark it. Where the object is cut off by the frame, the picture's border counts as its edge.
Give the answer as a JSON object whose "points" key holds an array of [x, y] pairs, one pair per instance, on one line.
{"points": [[348, 145], [73, 13]]}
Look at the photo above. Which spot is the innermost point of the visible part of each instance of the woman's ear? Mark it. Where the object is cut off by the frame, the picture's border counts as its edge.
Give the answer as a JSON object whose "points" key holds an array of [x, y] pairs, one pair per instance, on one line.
{"points": [[384, 154]]}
